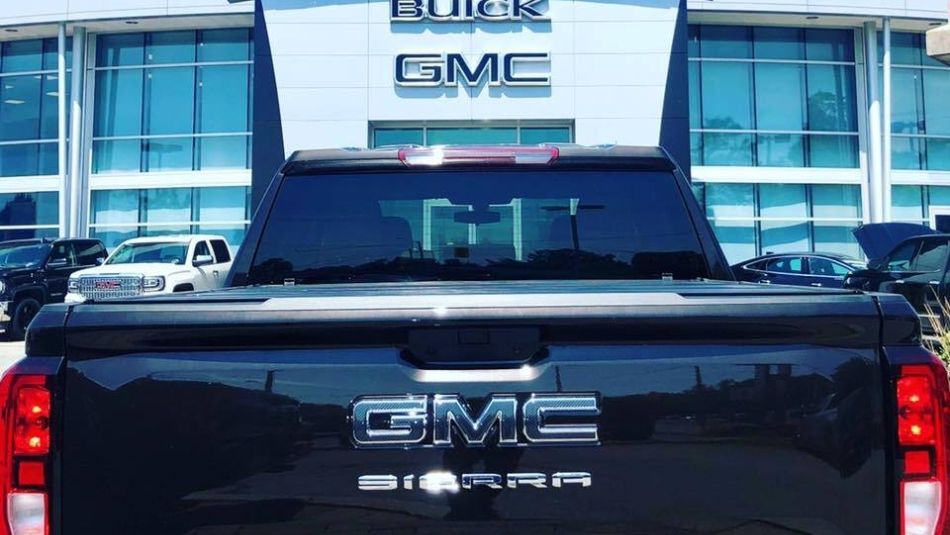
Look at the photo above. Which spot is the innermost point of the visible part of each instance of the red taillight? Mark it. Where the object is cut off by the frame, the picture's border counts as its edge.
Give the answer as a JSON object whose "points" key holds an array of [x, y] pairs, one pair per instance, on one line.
{"points": [[513, 155], [26, 412], [923, 397], [31, 430]]}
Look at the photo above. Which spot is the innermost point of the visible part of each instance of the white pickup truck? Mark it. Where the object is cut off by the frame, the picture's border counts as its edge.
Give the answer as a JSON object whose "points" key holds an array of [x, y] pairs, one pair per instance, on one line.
{"points": [[154, 265]]}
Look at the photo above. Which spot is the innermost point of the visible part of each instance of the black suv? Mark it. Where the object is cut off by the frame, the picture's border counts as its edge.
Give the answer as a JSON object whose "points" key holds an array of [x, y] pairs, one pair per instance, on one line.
{"points": [[35, 272]]}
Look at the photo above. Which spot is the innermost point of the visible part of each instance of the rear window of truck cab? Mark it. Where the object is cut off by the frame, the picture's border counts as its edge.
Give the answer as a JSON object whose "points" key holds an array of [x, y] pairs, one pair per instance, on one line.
{"points": [[477, 225]]}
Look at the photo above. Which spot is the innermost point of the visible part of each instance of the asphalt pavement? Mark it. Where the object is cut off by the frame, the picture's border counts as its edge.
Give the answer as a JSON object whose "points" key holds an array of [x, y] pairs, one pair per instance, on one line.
{"points": [[10, 352]]}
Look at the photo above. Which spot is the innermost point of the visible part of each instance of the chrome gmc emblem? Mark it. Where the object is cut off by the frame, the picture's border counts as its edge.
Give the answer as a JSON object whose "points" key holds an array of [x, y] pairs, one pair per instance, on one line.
{"points": [[107, 285], [446, 420]]}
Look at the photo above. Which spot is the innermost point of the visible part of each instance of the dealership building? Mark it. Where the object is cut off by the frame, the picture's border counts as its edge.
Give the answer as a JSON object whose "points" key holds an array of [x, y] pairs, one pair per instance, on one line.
{"points": [[798, 120]]}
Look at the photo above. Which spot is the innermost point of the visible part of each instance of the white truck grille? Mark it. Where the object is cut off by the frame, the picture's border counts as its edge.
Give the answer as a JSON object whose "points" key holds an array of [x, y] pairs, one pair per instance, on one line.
{"points": [[100, 287]]}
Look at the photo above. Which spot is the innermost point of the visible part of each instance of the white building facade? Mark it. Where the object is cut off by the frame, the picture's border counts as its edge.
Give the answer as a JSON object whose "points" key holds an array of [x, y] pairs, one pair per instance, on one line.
{"points": [[798, 120]]}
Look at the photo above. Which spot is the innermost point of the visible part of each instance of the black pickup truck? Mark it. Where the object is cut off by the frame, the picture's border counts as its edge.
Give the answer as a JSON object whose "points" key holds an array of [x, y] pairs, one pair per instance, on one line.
{"points": [[478, 340]]}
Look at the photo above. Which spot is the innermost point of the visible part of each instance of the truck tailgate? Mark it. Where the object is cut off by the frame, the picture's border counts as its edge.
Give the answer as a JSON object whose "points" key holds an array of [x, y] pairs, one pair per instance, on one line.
{"points": [[723, 408]]}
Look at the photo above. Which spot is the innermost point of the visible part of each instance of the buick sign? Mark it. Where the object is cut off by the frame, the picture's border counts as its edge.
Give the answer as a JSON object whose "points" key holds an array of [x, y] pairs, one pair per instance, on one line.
{"points": [[446, 421], [465, 10]]}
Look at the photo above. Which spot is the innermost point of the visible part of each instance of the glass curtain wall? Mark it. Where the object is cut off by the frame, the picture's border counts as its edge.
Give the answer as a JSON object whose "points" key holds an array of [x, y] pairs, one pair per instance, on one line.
{"points": [[446, 135], [920, 120], [775, 97], [754, 219], [913, 204], [172, 101], [118, 215], [29, 112]]}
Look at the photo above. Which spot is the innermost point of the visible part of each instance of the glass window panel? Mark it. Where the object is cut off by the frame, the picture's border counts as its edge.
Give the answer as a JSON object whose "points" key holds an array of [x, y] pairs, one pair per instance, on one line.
{"points": [[170, 47], [833, 151], [113, 236], [117, 156], [230, 44], [223, 94], [118, 110], [115, 207], [533, 136], [51, 54], [784, 236], [936, 110], [907, 203], [224, 152], [780, 96], [398, 136], [693, 40], [939, 197], [726, 41], [168, 205], [20, 107], [782, 201], [905, 48], [49, 158], [169, 154], [120, 49], [906, 153], [171, 100], [165, 230], [727, 149], [835, 201], [696, 148], [222, 204], [234, 234], [907, 107], [446, 136], [729, 201], [780, 150], [727, 95], [695, 99], [19, 160], [17, 209], [22, 56], [938, 154], [49, 106], [737, 239], [829, 45], [836, 237], [778, 43], [47, 208], [831, 98]]}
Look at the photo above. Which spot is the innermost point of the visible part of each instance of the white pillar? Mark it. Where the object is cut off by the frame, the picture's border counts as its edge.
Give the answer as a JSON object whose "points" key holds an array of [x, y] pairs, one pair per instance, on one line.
{"points": [[61, 130], [76, 171], [886, 120], [875, 180]]}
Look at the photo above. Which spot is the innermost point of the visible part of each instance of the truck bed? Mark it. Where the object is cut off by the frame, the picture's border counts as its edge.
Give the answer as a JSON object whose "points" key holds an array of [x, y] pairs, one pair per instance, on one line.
{"points": [[723, 408]]}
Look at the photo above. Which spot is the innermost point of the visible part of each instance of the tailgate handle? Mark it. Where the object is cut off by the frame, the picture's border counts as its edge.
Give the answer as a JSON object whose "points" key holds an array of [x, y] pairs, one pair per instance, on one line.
{"points": [[474, 347]]}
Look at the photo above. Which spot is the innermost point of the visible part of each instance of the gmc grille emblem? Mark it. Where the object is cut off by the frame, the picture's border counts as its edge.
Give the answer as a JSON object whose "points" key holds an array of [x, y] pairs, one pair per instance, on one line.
{"points": [[505, 420], [107, 285]]}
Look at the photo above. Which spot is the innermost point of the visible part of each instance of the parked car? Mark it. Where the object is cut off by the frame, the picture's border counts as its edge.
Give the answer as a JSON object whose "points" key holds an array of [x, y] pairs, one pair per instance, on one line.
{"points": [[798, 269], [34, 272], [906, 259], [488, 390], [154, 265]]}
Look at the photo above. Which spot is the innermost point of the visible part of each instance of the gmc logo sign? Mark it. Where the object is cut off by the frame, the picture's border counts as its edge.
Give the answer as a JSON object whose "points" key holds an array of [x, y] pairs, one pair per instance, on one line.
{"points": [[107, 285], [443, 421], [434, 70]]}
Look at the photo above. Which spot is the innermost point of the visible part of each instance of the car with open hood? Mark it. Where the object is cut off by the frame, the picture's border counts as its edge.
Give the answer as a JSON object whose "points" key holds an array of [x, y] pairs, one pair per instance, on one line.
{"points": [[155, 265]]}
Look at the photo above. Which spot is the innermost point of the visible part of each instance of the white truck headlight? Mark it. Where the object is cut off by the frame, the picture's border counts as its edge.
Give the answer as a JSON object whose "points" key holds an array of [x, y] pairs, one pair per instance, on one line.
{"points": [[3, 286], [153, 284], [73, 286]]}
